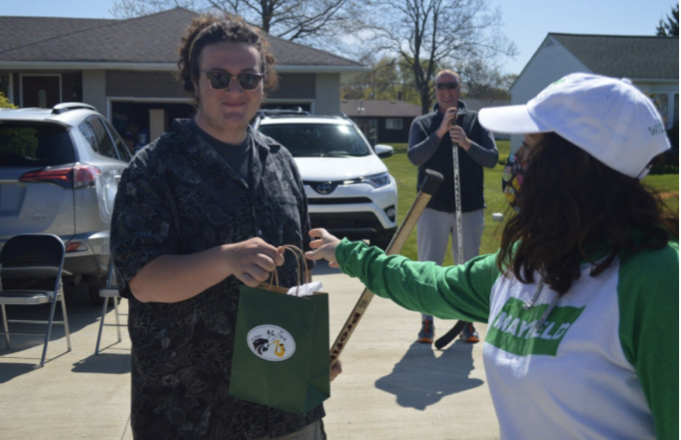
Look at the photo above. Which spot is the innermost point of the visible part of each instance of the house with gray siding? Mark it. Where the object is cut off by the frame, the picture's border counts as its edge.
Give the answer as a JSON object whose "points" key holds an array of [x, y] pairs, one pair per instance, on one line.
{"points": [[476, 105], [651, 63], [125, 68]]}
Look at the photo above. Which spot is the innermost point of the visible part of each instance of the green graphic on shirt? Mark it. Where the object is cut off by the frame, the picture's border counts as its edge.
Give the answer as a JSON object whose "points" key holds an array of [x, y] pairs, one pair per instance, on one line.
{"points": [[513, 329]]}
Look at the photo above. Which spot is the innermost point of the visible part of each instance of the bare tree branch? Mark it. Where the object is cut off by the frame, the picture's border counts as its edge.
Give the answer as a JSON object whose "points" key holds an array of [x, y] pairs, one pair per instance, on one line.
{"points": [[134, 8], [429, 35], [322, 23]]}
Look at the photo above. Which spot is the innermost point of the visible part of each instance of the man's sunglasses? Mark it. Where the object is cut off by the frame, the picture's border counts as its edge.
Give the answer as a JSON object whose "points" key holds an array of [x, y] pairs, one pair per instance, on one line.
{"points": [[447, 86], [222, 80]]}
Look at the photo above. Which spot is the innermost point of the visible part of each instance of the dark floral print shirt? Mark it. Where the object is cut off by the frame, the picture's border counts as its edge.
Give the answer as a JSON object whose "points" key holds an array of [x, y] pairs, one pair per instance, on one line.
{"points": [[179, 196]]}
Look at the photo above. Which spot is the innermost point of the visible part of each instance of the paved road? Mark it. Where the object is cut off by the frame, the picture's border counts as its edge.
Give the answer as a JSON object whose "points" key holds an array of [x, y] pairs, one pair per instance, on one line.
{"points": [[391, 387]]}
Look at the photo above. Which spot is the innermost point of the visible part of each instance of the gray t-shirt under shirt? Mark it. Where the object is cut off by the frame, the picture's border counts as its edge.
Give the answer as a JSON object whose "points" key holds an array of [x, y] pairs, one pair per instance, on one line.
{"points": [[237, 156]]}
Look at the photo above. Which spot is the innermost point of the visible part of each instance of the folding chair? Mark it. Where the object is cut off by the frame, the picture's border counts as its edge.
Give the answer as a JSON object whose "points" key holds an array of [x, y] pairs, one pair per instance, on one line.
{"points": [[33, 257], [106, 292]]}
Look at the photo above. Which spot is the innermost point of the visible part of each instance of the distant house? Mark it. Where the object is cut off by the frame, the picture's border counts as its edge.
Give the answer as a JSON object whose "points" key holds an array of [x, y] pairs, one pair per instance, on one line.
{"points": [[477, 104], [382, 121], [651, 63], [126, 68], [389, 121]]}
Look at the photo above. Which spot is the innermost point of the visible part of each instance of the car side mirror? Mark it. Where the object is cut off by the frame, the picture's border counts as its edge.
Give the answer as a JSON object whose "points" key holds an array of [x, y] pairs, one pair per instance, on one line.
{"points": [[384, 151]]}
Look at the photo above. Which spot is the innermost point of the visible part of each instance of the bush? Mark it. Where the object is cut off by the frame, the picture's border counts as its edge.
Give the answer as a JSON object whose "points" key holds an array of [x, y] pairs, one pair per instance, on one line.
{"points": [[4, 102], [665, 168]]}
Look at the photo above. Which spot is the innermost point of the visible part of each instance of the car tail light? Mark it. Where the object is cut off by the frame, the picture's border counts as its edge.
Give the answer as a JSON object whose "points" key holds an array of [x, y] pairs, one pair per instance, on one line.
{"points": [[84, 175], [75, 246], [78, 176]]}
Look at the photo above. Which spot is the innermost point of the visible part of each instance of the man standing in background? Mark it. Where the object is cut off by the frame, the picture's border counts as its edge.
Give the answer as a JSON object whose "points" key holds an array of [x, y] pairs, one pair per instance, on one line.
{"points": [[431, 138]]}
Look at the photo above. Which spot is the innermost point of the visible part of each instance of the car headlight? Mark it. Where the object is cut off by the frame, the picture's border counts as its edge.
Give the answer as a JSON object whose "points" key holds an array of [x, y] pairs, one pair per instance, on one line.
{"points": [[377, 180]]}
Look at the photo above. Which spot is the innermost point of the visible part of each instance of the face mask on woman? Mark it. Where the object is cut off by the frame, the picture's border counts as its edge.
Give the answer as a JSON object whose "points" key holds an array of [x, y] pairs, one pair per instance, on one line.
{"points": [[514, 174]]}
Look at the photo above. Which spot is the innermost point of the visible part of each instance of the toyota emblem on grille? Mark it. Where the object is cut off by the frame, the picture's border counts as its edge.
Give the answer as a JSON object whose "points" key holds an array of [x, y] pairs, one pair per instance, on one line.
{"points": [[325, 187]]}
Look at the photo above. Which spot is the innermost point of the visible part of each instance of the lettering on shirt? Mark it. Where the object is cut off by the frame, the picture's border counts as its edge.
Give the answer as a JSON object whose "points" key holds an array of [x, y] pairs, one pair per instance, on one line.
{"points": [[514, 328]]}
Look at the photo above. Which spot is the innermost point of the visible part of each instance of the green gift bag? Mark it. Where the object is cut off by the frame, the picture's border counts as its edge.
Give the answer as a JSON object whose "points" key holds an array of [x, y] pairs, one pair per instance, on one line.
{"points": [[281, 348]]}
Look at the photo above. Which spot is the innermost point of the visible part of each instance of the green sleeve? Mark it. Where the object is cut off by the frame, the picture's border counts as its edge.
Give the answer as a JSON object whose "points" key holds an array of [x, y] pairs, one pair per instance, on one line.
{"points": [[648, 295], [456, 292]]}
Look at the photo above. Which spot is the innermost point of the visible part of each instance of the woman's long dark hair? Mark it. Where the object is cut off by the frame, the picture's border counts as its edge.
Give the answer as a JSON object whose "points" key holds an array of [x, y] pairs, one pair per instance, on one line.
{"points": [[573, 208]]}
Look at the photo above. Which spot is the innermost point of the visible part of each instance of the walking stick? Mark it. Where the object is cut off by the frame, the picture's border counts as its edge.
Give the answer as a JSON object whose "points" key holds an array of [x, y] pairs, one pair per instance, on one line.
{"points": [[457, 204], [458, 327], [450, 335], [428, 188]]}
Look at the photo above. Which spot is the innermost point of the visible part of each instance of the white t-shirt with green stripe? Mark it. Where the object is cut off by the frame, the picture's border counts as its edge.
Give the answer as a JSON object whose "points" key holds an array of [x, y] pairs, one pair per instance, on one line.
{"points": [[604, 363]]}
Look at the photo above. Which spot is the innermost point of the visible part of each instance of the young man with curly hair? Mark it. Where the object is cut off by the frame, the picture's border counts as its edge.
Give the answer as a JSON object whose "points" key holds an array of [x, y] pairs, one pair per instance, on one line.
{"points": [[198, 213]]}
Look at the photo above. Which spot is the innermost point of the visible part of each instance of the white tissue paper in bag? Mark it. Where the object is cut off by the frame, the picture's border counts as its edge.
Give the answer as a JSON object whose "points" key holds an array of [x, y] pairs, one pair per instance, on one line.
{"points": [[306, 289]]}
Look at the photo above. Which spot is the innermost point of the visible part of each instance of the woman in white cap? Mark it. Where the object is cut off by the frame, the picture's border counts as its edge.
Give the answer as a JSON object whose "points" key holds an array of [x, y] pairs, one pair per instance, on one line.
{"points": [[582, 298]]}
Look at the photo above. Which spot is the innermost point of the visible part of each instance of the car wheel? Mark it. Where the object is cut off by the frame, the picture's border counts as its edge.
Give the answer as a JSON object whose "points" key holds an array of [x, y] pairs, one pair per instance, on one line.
{"points": [[93, 285]]}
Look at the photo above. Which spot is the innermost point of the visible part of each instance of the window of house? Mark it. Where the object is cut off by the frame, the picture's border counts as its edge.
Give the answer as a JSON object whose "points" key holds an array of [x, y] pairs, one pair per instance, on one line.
{"points": [[393, 123]]}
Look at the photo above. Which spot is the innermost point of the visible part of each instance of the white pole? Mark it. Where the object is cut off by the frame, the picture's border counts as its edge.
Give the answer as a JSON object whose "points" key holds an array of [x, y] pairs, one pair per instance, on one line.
{"points": [[457, 204], [458, 327]]}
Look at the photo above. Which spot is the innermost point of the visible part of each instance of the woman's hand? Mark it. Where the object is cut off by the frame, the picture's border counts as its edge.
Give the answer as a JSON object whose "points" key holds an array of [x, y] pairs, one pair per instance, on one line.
{"points": [[324, 246], [336, 369]]}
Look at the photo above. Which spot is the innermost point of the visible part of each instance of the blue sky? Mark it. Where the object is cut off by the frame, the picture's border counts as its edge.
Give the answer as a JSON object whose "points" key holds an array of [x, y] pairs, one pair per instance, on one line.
{"points": [[526, 22]]}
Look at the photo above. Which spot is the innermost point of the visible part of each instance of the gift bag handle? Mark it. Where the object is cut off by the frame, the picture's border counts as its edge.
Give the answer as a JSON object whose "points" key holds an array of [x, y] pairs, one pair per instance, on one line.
{"points": [[274, 275]]}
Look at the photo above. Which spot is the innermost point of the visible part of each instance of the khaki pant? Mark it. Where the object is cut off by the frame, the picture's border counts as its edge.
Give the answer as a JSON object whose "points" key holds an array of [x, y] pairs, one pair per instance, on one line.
{"points": [[434, 229]]}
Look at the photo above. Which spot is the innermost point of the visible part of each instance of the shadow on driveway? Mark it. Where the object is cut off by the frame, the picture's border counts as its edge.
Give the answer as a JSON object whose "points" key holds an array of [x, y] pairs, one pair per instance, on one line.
{"points": [[10, 371], [107, 363], [420, 379], [81, 313], [321, 267]]}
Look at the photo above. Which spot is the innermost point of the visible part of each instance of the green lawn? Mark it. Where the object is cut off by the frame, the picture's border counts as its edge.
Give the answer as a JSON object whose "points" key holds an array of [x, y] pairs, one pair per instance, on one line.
{"points": [[405, 174]]}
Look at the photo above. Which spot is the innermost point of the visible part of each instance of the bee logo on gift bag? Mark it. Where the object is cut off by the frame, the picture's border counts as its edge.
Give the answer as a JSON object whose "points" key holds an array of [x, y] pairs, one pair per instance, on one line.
{"points": [[271, 343]]}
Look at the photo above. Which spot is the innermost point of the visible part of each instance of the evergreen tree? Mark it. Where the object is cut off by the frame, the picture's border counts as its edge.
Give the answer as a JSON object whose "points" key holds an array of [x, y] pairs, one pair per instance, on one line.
{"points": [[670, 27]]}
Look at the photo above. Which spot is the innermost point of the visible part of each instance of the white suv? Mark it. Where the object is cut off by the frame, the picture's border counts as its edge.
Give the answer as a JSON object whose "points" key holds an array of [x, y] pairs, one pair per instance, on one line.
{"points": [[349, 190]]}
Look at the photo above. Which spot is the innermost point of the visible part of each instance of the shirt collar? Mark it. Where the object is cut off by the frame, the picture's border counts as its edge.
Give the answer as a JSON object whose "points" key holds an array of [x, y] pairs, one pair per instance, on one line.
{"points": [[461, 106]]}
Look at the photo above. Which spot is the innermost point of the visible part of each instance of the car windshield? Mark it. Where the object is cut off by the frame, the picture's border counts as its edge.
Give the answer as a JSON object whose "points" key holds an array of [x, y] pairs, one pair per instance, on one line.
{"points": [[318, 140], [25, 144]]}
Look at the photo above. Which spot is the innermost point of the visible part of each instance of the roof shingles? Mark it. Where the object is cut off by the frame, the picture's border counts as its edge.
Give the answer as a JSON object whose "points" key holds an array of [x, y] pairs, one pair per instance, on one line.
{"points": [[19, 32], [147, 39], [640, 57]]}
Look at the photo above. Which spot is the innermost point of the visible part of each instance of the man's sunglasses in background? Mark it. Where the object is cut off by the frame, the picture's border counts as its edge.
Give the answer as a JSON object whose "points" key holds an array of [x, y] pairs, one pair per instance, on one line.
{"points": [[447, 86], [222, 80]]}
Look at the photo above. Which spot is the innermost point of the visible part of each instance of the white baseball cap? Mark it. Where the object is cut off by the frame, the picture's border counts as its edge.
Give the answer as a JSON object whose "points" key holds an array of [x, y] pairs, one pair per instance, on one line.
{"points": [[608, 118]]}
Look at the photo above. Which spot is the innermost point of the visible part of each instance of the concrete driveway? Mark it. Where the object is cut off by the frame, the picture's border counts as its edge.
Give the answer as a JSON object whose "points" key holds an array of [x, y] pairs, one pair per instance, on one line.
{"points": [[391, 387]]}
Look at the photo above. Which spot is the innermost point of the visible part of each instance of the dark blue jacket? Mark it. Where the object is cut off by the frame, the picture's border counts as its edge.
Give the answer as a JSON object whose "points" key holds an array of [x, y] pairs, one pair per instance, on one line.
{"points": [[427, 151]]}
